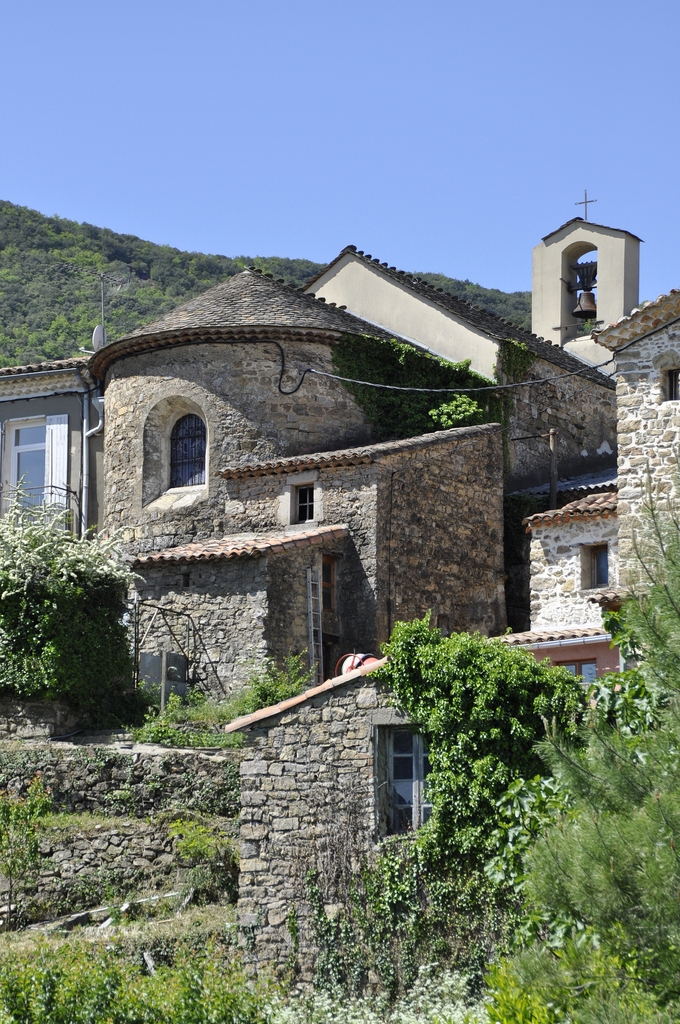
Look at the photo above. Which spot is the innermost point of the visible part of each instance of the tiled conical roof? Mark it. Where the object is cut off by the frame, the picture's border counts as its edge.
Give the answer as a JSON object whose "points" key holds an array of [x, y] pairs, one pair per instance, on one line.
{"points": [[253, 299], [249, 305]]}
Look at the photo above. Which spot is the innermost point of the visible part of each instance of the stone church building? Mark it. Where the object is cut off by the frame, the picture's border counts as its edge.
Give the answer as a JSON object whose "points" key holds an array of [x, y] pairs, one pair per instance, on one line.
{"points": [[261, 518]]}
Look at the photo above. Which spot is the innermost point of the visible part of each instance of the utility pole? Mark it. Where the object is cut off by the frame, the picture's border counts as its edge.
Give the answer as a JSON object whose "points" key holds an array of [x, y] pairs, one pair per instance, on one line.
{"points": [[553, 467]]}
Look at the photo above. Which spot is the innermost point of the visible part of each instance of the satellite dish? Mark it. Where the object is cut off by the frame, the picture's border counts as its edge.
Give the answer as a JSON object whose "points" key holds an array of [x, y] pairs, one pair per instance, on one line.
{"points": [[98, 337]]}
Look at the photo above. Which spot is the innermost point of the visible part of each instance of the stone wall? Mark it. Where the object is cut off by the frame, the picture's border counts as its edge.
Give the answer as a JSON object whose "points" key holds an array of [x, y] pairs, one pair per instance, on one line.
{"points": [[560, 567], [234, 387], [649, 432], [308, 801], [228, 605], [584, 415], [440, 534], [146, 780], [36, 720]]}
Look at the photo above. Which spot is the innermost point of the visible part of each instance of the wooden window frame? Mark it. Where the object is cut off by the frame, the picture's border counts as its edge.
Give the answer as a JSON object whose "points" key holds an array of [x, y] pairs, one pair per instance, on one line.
{"points": [[310, 505], [595, 581]]}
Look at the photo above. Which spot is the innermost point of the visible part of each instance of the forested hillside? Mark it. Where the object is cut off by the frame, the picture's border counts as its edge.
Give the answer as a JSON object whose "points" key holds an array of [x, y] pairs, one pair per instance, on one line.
{"points": [[50, 291]]}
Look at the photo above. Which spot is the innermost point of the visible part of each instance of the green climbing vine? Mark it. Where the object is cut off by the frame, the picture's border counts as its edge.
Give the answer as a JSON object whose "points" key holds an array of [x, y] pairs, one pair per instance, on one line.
{"points": [[395, 414]]}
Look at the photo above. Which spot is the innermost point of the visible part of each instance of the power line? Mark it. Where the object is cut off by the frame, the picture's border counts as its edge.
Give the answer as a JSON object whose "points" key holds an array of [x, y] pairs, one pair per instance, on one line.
{"points": [[454, 391]]}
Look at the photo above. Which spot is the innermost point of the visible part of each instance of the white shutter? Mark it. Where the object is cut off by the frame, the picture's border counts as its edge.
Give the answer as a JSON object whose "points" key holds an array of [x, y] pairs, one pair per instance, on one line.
{"points": [[56, 460]]}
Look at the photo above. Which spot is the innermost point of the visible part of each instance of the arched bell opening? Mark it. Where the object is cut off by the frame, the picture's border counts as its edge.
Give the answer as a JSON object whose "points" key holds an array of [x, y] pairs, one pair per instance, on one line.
{"points": [[579, 276]]}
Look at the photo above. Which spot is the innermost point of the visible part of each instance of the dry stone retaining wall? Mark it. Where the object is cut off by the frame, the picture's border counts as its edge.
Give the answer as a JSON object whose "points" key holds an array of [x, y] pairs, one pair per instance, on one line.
{"points": [[140, 782]]}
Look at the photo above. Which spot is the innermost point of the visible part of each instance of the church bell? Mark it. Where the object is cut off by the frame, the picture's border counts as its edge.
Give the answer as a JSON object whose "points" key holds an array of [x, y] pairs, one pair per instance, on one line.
{"points": [[586, 276], [585, 308]]}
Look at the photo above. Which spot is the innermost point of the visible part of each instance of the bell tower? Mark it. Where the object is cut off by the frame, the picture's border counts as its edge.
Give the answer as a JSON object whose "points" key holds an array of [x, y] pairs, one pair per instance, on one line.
{"points": [[583, 274]]}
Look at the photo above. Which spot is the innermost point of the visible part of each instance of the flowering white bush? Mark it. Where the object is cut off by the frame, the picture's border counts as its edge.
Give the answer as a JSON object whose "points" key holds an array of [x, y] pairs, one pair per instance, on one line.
{"points": [[438, 997]]}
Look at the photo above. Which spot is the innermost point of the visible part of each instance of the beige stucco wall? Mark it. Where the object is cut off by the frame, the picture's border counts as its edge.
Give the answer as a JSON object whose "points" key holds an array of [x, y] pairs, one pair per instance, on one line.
{"points": [[558, 598], [369, 294], [618, 271]]}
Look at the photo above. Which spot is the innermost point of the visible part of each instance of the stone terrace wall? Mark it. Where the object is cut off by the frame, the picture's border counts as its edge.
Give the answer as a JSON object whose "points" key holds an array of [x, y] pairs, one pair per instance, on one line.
{"points": [[119, 783], [649, 431], [234, 388], [440, 534], [557, 596], [35, 720], [584, 415], [308, 801]]}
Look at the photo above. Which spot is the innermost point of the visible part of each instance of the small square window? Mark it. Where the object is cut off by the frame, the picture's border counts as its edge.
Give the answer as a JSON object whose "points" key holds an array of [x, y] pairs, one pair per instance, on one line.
{"points": [[328, 583], [305, 503], [673, 389], [599, 566]]}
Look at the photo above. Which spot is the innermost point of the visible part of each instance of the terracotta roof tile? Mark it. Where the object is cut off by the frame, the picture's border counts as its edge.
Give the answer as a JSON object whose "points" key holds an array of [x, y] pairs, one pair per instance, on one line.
{"points": [[611, 599], [292, 702], [241, 546], [649, 317], [76, 363], [492, 325], [542, 636], [355, 456], [593, 506]]}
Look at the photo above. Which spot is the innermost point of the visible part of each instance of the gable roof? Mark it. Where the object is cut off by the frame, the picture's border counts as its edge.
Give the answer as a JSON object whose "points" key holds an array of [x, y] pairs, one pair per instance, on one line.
{"points": [[355, 456], [292, 702], [650, 316], [248, 305], [590, 223], [593, 506], [224, 548], [494, 326]]}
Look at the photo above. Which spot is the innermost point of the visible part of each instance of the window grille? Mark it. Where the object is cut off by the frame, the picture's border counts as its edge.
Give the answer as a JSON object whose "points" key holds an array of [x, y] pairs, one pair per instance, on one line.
{"points": [[305, 504], [187, 452]]}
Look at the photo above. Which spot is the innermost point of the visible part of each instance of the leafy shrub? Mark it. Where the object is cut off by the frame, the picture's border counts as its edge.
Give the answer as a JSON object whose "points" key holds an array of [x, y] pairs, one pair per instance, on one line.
{"points": [[77, 984], [62, 606], [437, 997], [195, 721], [480, 705], [20, 837]]}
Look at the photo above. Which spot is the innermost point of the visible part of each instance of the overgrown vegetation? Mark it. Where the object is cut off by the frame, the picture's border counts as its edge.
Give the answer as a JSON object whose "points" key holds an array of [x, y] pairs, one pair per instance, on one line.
{"points": [[601, 882], [197, 720], [62, 607], [20, 821], [49, 289]]}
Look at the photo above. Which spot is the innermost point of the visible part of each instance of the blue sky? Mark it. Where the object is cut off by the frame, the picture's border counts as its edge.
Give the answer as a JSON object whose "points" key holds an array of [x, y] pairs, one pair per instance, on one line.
{"points": [[442, 136]]}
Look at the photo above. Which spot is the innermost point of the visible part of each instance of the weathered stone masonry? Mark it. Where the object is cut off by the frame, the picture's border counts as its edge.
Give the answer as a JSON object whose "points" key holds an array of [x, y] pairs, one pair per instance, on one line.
{"points": [[309, 797]]}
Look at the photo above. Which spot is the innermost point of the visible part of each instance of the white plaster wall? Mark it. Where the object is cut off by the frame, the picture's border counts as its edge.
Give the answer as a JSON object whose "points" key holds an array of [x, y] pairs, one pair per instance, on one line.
{"points": [[557, 598], [382, 300]]}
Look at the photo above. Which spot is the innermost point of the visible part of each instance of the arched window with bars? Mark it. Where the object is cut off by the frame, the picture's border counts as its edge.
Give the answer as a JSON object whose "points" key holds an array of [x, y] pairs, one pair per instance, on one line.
{"points": [[187, 452]]}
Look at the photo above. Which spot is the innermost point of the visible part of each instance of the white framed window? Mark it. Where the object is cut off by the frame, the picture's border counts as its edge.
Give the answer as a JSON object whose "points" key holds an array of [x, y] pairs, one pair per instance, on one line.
{"points": [[37, 452], [409, 766]]}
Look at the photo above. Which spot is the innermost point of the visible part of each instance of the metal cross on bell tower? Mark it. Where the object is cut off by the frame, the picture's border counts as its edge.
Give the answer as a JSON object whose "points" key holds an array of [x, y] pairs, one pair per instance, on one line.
{"points": [[584, 203]]}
